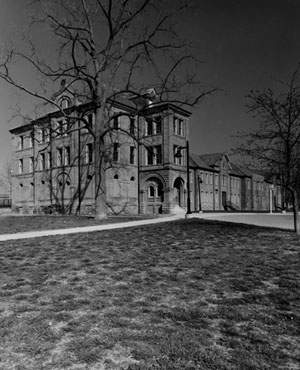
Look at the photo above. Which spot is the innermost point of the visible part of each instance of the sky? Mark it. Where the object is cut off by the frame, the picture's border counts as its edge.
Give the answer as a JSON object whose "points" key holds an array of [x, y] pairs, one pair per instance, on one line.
{"points": [[243, 45]]}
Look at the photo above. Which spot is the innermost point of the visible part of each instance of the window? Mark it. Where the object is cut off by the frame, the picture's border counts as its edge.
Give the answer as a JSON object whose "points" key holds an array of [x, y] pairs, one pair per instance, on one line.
{"points": [[31, 141], [211, 179], [62, 127], [21, 166], [150, 155], [89, 153], [177, 160], [116, 152], [116, 176], [158, 124], [132, 126], [59, 157], [116, 123], [154, 155], [158, 154], [248, 184], [206, 178], [49, 160], [67, 156], [224, 181], [132, 155], [149, 127], [178, 126], [151, 191], [45, 134], [21, 142], [42, 161], [153, 126], [64, 103], [89, 122], [216, 179], [31, 164], [59, 128]]}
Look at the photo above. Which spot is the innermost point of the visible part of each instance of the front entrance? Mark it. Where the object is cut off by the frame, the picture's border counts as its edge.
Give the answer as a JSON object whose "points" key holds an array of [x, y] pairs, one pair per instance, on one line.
{"points": [[179, 192], [155, 196]]}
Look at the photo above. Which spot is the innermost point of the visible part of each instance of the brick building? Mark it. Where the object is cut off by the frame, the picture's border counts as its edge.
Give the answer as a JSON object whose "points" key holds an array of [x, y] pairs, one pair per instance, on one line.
{"points": [[53, 164]]}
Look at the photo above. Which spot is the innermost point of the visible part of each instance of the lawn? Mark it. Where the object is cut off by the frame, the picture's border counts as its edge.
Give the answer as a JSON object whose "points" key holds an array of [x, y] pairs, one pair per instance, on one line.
{"points": [[14, 224], [189, 294]]}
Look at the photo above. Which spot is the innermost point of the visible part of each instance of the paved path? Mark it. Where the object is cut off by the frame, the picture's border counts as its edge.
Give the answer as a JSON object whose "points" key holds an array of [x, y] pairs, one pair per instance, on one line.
{"points": [[272, 220], [87, 229], [278, 220]]}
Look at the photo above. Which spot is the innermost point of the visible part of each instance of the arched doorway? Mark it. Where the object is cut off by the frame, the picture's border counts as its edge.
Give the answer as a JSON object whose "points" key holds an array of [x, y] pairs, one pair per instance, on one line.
{"points": [[179, 191], [154, 195]]}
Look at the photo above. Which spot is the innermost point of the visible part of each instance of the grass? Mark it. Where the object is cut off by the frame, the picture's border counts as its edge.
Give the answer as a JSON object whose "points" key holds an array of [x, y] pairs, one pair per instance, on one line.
{"points": [[14, 224], [189, 294]]}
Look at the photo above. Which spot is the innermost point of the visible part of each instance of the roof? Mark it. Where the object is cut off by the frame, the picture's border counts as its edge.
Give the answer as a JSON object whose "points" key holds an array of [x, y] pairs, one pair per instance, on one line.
{"points": [[238, 171], [209, 161], [197, 161], [213, 159], [120, 102]]}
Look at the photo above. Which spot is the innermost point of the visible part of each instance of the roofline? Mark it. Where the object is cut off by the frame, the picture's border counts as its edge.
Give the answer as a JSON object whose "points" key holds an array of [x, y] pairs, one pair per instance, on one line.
{"points": [[116, 104], [168, 105]]}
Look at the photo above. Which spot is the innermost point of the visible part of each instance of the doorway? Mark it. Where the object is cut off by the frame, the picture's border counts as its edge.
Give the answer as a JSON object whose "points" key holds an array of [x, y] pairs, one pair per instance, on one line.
{"points": [[179, 192]]}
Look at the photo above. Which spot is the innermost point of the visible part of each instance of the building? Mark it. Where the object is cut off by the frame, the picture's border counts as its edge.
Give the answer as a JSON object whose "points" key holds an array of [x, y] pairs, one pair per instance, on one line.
{"points": [[53, 165], [220, 185]]}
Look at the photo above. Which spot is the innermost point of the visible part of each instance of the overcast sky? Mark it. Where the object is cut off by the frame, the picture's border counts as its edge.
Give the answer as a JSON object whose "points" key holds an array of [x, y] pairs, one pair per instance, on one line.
{"points": [[244, 45]]}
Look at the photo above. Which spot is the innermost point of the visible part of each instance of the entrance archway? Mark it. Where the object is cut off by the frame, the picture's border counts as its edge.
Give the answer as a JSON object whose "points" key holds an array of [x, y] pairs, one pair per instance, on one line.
{"points": [[179, 191], [154, 195]]}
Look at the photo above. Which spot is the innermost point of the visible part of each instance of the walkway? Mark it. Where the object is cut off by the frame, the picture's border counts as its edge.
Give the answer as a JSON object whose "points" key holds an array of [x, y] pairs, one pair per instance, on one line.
{"points": [[87, 229], [282, 221], [277, 220]]}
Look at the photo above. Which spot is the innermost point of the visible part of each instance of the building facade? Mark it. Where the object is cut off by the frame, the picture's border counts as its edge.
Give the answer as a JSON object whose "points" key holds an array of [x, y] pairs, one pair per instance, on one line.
{"points": [[53, 164]]}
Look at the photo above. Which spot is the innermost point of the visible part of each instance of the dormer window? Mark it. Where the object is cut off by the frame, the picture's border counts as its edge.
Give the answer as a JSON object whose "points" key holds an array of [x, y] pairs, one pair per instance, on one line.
{"points": [[64, 103]]}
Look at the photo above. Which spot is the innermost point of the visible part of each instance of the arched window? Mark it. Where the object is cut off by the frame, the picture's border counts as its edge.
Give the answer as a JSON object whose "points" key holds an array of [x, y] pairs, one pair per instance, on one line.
{"points": [[64, 103], [116, 176], [151, 191]]}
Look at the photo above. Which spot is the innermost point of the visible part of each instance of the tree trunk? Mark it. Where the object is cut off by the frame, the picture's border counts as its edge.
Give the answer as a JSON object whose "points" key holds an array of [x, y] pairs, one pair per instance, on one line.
{"points": [[295, 212], [99, 160]]}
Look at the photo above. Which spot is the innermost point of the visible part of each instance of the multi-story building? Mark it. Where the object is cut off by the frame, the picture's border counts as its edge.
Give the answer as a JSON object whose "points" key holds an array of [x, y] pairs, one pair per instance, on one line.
{"points": [[54, 163], [54, 159]]}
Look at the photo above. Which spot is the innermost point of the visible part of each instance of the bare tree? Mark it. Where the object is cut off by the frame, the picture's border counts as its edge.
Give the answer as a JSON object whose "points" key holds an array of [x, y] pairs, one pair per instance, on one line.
{"points": [[275, 146], [106, 48]]}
